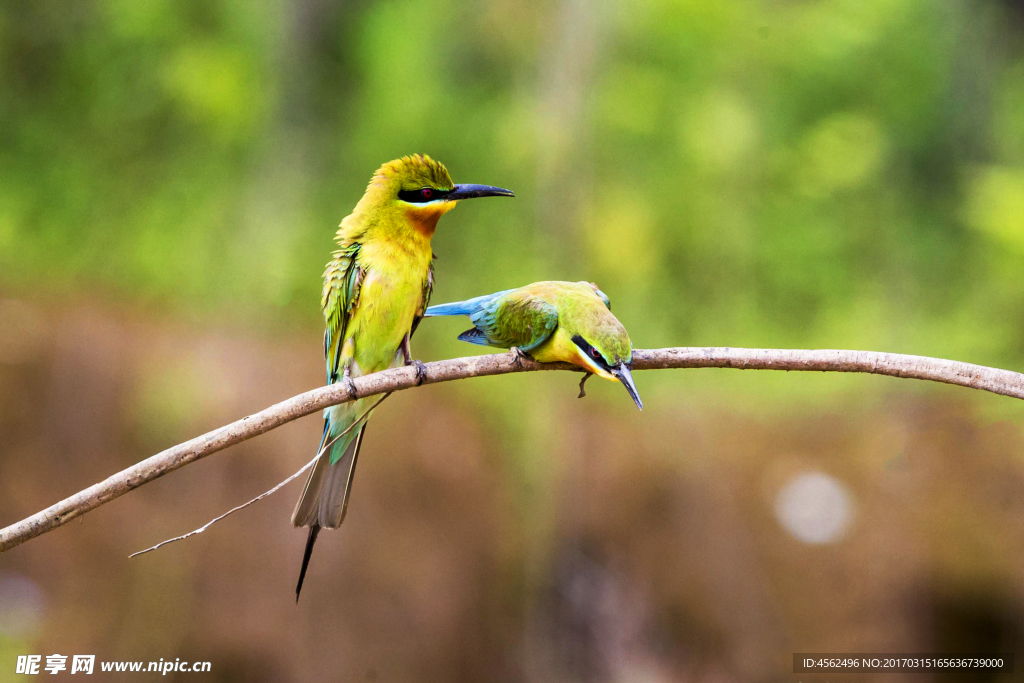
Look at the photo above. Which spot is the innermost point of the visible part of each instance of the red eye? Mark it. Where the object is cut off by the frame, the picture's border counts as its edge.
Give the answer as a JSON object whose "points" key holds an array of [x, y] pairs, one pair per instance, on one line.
{"points": [[426, 193], [594, 353]]}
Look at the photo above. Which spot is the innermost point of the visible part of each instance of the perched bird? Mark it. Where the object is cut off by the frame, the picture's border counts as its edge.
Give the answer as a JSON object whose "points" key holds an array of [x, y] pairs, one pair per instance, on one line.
{"points": [[552, 321], [376, 289]]}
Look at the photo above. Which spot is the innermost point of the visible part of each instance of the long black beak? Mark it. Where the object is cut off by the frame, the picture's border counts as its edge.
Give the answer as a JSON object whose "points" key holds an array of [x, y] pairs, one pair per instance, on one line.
{"points": [[622, 372], [471, 191]]}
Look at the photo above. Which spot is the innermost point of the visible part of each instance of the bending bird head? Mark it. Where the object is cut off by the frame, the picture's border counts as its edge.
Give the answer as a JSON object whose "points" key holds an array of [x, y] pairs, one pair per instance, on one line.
{"points": [[605, 350]]}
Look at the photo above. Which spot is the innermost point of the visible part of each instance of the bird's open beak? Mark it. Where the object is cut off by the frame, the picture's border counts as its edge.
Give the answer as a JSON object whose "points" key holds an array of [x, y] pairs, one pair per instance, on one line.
{"points": [[471, 191], [623, 374]]}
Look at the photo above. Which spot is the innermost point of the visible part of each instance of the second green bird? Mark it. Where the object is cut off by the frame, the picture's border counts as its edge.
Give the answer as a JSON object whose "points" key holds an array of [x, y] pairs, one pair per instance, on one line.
{"points": [[552, 321]]}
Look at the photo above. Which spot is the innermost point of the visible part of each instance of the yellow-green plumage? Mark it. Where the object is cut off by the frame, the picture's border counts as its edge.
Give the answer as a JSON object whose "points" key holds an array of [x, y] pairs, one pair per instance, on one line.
{"points": [[552, 321], [376, 290]]}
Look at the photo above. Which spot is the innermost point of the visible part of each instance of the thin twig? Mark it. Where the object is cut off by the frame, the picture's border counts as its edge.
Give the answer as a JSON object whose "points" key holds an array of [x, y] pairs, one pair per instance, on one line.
{"points": [[235, 509], [232, 510], [1005, 382]]}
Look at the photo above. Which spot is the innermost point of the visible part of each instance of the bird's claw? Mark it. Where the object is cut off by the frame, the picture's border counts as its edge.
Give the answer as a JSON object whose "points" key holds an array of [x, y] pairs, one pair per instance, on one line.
{"points": [[350, 388], [517, 357], [421, 370], [583, 392]]}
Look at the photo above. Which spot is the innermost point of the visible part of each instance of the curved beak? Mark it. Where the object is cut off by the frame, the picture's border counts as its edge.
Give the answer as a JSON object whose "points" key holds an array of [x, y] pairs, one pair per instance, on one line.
{"points": [[471, 191], [623, 374]]}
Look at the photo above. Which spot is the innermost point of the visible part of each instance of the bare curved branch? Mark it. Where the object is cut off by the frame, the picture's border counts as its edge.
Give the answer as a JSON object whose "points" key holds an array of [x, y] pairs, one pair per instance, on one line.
{"points": [[997, 381]]}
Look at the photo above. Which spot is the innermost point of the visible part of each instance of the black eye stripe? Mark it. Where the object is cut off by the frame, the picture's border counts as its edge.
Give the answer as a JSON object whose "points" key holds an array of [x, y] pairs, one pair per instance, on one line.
{"points": [[590, 351], [422, 195]]}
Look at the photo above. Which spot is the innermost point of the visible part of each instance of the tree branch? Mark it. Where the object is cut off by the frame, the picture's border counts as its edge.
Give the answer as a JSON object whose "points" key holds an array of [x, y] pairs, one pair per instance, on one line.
{"points": [[358, 421], [997, 381]]}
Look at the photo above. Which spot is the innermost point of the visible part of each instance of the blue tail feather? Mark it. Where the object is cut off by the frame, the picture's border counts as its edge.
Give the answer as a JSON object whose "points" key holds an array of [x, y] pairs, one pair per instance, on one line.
{"points": [[455, 308], [467, 307]]}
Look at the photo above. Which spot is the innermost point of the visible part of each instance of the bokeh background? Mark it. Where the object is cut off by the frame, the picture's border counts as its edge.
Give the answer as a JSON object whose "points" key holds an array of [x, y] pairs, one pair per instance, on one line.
{"points": [[774, 173]]}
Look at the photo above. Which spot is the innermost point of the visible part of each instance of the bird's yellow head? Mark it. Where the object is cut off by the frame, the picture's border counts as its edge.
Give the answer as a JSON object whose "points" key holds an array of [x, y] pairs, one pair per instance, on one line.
{"points": [[601, 342], [421, 189]]}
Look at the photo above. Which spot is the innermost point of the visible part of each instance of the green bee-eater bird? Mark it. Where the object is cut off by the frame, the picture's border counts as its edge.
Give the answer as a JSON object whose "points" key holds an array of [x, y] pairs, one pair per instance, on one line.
{"points": [[552, 321], [376, 289]]}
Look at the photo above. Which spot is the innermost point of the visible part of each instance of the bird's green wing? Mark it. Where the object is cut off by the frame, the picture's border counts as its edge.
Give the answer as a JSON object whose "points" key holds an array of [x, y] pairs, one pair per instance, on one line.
{"points": [[342, 281], [513, 320]]}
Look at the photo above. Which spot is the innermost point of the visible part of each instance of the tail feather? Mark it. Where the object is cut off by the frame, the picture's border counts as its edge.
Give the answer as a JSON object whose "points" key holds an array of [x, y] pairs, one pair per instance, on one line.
{"points": [[454, 308], [305, 510], [324, 499], [467, 307], [314, 529], [337, 486]]}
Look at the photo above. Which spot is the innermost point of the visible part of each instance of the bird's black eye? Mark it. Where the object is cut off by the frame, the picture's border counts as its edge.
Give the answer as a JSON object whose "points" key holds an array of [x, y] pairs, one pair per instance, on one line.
{"points": [[590, 351], [422, 195]]}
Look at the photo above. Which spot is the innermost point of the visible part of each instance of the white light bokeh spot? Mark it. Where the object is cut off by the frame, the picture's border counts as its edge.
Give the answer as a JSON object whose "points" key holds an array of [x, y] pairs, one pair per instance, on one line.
{"points": [[814, 507]]}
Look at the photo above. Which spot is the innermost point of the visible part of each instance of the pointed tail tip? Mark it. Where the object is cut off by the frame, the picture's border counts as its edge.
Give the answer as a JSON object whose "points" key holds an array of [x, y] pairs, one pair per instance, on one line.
{"points": [[314, 529]]}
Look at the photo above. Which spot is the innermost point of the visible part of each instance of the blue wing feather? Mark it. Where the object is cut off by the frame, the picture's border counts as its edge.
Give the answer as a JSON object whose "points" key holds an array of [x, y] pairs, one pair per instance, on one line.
{"points": [[474, 336]]}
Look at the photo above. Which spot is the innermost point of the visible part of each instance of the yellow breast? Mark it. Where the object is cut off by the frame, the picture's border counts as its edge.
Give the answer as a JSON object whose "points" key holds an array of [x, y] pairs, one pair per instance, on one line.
{"points": [[390, 296]]}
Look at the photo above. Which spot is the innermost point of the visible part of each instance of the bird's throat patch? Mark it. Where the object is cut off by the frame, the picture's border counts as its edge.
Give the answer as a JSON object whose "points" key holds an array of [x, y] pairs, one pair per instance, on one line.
{"points": [[424, 218]]}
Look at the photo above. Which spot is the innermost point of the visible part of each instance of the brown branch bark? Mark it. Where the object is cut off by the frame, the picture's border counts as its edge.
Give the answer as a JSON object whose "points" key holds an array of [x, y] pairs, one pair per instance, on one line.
{"points": [[997, 381]]}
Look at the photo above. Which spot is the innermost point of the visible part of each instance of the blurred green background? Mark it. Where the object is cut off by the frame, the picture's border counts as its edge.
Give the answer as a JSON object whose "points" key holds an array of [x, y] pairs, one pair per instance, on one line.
{"points": [[787, 173]]}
